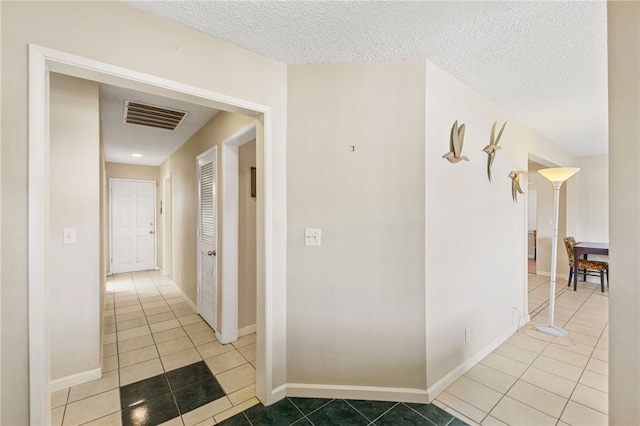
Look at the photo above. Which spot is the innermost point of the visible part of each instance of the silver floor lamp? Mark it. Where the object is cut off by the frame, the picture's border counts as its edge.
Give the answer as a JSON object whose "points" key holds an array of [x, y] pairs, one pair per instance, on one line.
{"points": [[556, 176]]}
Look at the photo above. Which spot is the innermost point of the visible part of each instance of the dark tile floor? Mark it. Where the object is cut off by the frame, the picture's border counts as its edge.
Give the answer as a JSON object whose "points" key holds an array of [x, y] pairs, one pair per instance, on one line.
{"points": [[163, 397], [340, 412], [160, 398]]}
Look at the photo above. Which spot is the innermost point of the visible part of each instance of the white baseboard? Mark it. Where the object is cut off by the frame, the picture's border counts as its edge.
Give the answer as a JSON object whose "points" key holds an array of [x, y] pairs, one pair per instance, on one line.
{"points": [[548, 274], [75, 379], [276, 395], [246, 330], [457, 372], [356, 392]]}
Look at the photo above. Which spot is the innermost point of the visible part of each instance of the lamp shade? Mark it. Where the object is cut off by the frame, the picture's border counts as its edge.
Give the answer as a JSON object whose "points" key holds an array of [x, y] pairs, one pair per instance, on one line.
{"points": [[558, 174]]}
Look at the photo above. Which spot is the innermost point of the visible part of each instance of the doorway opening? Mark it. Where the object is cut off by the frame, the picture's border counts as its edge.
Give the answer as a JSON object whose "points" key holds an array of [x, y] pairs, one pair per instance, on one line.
{"points": [[42, 61]]}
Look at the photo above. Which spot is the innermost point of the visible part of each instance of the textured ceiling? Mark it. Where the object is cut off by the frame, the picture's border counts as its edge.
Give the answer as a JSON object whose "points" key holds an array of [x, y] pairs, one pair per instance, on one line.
{"points": [[542, 61], [121, 139]]}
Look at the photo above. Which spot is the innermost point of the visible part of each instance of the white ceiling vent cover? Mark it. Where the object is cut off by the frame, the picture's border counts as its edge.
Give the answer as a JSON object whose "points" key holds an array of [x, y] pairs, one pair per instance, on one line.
{"points": [[152, 116]]}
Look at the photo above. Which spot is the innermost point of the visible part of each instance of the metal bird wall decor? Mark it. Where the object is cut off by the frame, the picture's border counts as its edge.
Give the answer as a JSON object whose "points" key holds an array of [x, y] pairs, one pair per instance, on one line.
{"points": [[456, 142], [515, 184], [493, 147]]}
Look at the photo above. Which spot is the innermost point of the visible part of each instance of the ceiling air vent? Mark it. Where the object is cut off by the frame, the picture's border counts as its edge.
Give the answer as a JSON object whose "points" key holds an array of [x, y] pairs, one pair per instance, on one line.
{"points": [[152, 116]]}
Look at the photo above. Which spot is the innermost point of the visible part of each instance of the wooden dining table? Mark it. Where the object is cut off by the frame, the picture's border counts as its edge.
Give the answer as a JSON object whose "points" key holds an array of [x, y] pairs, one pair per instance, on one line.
{"points": [[585, 249]]}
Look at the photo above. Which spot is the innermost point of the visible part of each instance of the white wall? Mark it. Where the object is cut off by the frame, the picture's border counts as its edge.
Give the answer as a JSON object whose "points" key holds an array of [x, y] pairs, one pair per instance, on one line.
{"points": [[74, 203], [593, 199], [476, 236], [623, 23], [355, 305], [167, 50]]}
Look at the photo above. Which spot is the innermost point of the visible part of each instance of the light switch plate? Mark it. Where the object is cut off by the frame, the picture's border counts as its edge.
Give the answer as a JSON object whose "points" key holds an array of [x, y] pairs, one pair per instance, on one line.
{"points": [[69, 236], [312, 237]]}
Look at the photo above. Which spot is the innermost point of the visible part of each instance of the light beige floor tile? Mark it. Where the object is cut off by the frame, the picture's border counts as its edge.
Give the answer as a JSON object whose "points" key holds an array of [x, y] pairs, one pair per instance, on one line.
{"points": [[59, 398], [209, 350], [133, 333], [155, 311], [207, 422], [190, 319], [56, 415], [176, 421], [439, 404], [196, 328], [107, 339], [203, 337], [474, 393], [559, 353], [180, 359], [130, 316], [133, 344], [153, 319], [549, 381], [242, 395], [154, 304], [171, 334], [137, 356], [109, 363], [578, 415], [237, 378], [598, 366], [109, 319], [591, 398], [107, 382], [132, 323], [245, 340], [127, 303], [601, 354], [235, 410], [114, 419], [595, 380], [249, 351], [491, 378], [135, 308], [173, 346], [579, 348], [492, 421], [143, 370], [516, 353], [149, 296], [538, 398], [513, 412], [209, 410], [585, 339], [92, 408], [464, 408], [226, 361], [109, 328], [164, 325], [572, 327], [504, 364], [461, 416], [558, 368], [183, 312], [178, 306]]}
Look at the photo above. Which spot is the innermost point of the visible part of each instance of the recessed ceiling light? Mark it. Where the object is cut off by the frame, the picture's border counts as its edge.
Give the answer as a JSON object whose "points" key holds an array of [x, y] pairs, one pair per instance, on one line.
{"points": [[136, 155]]}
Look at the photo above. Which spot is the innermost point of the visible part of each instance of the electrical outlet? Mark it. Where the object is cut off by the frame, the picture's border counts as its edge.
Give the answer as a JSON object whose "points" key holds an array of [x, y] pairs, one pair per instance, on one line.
{"points": [[69, 236], [312, 237], [467, 334]]}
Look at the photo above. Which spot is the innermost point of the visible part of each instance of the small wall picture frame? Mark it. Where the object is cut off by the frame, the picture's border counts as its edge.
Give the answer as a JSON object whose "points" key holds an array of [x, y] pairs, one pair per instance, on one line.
{"points": [[253, 182]]}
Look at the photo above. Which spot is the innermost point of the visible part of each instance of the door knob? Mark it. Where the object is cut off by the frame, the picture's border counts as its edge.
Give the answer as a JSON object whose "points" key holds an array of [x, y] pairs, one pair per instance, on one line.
{"points": [[151, 232], [211, 252]]}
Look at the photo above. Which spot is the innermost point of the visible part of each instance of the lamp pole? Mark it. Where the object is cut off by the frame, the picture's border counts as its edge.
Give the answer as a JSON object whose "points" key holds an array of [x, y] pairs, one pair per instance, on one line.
{"points": [[557, 176]]}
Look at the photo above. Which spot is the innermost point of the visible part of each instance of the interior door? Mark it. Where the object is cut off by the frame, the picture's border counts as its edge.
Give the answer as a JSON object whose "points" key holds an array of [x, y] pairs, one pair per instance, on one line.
{"points": [[133, 218], [207, 240]]}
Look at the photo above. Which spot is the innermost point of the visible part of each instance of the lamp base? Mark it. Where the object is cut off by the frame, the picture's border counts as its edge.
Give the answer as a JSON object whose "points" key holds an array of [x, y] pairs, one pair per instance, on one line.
{"points": [[552, 330]]}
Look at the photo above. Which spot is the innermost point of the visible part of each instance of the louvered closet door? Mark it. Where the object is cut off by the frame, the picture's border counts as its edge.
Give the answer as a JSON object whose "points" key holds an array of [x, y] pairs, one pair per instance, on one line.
{"points": [[207, 259]]}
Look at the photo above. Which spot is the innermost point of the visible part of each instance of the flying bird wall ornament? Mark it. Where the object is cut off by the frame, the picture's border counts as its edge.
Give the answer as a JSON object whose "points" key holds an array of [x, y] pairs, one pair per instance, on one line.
{"points": [[515, 184], [456, 142], [493, 147]]}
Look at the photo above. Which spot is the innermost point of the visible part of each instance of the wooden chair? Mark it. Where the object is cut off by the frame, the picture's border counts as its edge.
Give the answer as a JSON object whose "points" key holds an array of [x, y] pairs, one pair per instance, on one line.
{"points": [[588, 267]]}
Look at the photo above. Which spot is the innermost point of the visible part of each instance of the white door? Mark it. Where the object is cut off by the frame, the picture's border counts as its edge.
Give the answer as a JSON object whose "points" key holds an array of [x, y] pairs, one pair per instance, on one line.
{"points": [[207, 259], [133, 219]]}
